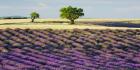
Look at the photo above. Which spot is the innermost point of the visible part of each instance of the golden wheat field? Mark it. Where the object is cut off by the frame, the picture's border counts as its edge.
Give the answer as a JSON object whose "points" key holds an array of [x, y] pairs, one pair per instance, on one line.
{"points": [[41, 24], [89, 20]]}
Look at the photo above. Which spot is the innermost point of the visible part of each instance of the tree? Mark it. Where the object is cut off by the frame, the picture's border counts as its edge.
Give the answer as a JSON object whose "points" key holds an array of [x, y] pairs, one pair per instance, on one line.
{"points": [[71, 13], [34, 15]]}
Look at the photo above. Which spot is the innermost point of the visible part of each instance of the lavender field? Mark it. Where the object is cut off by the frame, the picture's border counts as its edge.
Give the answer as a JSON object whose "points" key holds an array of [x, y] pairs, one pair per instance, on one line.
{"points": [[78, 49]]}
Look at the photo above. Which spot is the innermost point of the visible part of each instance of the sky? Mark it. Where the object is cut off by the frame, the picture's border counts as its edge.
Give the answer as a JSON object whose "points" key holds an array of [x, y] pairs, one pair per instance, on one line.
{"points": [[92, 8]]}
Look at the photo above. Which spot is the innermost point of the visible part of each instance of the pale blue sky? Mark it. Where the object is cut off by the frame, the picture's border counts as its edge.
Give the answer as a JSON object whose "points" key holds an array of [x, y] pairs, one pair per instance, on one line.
{"points": [[92, 8]]}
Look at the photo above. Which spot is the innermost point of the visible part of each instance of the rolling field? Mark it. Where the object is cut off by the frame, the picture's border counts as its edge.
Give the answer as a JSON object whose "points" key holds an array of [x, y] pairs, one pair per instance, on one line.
{"points": [[78, 49], [52, 44], [63, 24], [89, 20], [60, 26]]}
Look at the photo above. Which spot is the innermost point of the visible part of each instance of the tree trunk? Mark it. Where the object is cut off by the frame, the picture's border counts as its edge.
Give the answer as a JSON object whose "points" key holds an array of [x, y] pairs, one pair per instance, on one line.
{"points": [[32, 20], [72, 22]]}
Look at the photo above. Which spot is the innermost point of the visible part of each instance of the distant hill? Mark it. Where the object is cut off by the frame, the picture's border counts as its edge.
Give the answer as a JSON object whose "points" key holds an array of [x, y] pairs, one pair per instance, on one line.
{"points": [[14, 17]]}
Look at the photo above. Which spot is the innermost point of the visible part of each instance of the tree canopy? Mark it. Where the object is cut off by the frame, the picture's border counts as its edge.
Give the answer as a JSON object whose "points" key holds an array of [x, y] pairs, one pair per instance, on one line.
{"points": [[34, 15], [71, 13]]}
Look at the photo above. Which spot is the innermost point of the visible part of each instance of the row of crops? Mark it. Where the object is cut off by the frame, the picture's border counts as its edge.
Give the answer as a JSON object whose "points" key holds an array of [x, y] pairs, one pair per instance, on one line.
{"points": [[69, 49]]}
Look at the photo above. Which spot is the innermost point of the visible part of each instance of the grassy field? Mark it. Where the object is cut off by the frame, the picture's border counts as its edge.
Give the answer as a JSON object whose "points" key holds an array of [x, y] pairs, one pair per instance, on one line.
{"points": [[49, 23]]}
